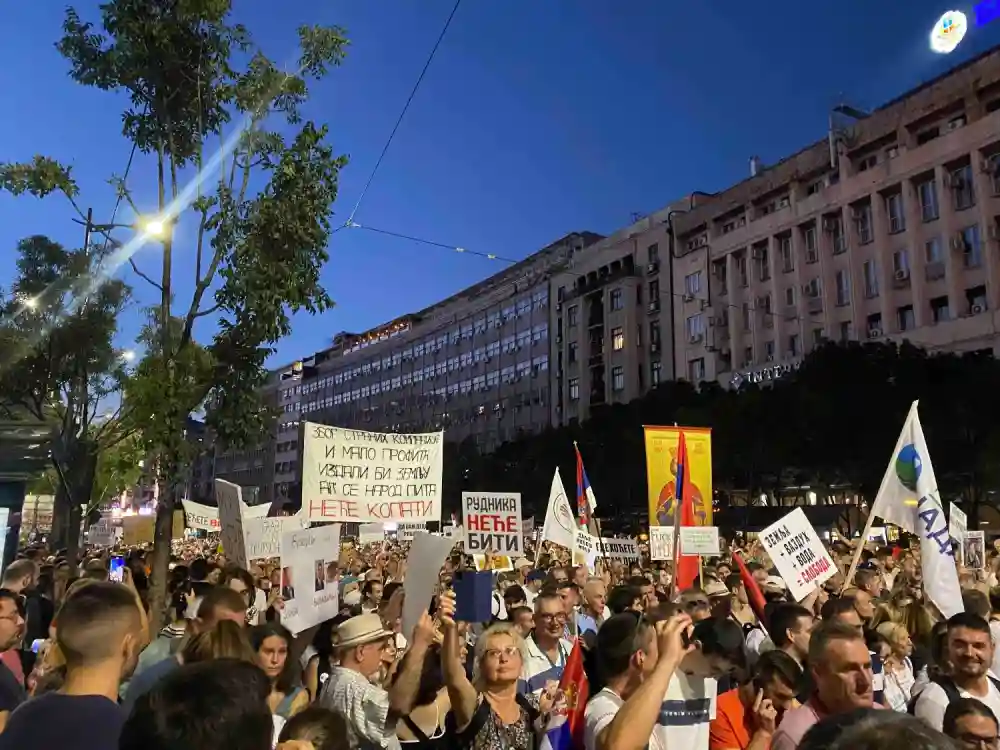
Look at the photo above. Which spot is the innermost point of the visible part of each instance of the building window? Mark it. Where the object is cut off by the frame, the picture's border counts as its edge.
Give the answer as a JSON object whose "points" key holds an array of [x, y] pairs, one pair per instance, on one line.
{"points": [[654, 292], [972, 253], [692, 283], [844, 331], [654, 373], [769, 351], [809, 241], [574, 389], [905, 320], [695, 326], [894, 210], [747, 316], [794, 347], [870, 273], [927, 192], [573, 315], [901, 263], [863, 223], [573, 352], [843, 280], [696, 370], [741, 269], [976, 299], [654, 334], [763, 260], [617, 301], [653, 253], [932, 251], [940, 311], [790, 296], [618, 378], [963, 188], [618, 338], [787, 259]]}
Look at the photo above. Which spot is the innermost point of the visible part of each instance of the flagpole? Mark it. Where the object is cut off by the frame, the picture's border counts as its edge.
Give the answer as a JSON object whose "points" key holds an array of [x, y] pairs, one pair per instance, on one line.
{"points": [[871, 513]]}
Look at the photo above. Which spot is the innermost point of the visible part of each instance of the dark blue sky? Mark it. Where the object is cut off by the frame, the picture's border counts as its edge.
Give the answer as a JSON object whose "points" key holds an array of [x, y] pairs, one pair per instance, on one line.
{"points": [[538, 117]]}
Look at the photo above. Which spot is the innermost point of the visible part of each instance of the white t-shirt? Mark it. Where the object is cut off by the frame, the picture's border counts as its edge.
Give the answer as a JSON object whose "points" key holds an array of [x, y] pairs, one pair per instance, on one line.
{"points": [[687, 710], [933, 701], [995, 633]]}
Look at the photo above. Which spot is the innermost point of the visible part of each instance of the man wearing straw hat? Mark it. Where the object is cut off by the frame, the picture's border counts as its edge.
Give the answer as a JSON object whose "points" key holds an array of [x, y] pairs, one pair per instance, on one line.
{"points": [[372, 712]]}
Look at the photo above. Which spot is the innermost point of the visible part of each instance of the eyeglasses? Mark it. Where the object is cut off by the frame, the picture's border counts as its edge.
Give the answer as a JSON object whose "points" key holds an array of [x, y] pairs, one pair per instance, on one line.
{"points": [[551, 616], [509, 651], [979, 743]]}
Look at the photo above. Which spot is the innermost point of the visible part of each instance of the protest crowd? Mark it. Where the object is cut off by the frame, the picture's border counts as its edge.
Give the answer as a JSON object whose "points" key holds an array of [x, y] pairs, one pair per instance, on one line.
{"points": [[493, 634]]}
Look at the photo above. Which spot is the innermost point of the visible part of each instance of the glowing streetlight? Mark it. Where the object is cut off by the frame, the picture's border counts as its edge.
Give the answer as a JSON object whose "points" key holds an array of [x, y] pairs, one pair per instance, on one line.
{"points": [[948, 32]]}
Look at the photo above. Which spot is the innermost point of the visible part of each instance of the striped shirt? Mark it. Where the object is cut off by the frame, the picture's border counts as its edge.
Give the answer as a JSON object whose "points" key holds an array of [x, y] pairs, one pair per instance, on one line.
{"points": [[539, 668]]}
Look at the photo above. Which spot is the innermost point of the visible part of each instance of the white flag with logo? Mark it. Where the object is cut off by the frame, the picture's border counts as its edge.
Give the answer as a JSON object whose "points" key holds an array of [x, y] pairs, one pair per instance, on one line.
{"points": [[909, 498], [560, 522]]}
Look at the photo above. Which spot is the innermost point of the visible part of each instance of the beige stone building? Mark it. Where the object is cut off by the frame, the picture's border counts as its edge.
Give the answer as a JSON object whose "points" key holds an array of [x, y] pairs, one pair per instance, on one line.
{"points": [[885, 229]]}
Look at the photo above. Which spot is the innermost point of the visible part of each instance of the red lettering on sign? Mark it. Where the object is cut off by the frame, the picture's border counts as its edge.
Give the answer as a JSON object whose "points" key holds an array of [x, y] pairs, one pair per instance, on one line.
{"points": [[335, 509]]}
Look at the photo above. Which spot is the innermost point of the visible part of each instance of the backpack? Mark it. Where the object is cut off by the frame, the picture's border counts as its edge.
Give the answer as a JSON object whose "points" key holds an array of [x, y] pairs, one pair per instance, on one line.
{"points": [[950, 690]]}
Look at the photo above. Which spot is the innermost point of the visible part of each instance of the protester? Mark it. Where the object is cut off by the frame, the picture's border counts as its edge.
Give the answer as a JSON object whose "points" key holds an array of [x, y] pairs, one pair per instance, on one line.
{"points": [[747, 716], [273, 643], [969, 648], [12, 693], [546, 649], [842, 681], [971, 724], [100, 630]]}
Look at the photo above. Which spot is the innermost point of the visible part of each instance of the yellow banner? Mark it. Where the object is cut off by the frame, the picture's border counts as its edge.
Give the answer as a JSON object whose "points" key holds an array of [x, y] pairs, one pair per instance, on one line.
{"points": [[661, 472]]}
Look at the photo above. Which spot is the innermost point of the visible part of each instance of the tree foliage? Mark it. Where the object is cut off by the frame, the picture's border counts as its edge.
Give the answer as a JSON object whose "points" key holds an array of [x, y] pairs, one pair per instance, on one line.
{"points": [[830, 424], [233, 152], [59, 365]]}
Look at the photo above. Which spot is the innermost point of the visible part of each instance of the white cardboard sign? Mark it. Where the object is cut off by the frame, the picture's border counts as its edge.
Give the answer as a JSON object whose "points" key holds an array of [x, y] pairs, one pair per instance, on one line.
{"points": [[309, 582], [661, 542], [798, 553], [700, 540], [492, 522]]}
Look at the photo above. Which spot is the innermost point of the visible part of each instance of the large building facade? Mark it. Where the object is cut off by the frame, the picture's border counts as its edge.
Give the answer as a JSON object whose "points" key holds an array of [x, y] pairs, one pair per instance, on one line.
{"points": [[613, 317], [887, 229], [476, 364]]}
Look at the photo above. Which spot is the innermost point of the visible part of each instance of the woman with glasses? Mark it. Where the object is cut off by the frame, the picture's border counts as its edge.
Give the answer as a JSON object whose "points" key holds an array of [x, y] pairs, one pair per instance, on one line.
{"points": [[971, 724], [488, 712]]}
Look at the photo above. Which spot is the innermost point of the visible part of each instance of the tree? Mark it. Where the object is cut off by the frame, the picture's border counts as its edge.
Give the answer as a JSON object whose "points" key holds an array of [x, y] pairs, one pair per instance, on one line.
{"points": [[262, 204], [59, 322]]}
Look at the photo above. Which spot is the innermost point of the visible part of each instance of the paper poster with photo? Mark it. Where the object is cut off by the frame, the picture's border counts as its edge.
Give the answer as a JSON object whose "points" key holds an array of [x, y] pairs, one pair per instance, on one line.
{"points": [[354, 475], [798, 553], [102, 533], [492, 522], [309, 582], [661, 543], [974, 549], [497, 563]]}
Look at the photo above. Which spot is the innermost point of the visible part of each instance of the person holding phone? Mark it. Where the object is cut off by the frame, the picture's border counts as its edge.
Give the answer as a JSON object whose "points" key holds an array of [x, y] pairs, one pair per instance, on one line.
{"points": [[747, 716]]}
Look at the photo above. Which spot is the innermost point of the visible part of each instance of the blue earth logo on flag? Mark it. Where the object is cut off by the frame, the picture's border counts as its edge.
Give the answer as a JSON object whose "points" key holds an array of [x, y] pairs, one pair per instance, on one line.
{"points": [[908, 467]]}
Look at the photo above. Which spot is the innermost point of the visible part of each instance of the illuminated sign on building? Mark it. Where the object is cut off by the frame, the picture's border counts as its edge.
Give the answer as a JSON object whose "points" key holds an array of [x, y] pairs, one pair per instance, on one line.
{"points": [[762, 374]]}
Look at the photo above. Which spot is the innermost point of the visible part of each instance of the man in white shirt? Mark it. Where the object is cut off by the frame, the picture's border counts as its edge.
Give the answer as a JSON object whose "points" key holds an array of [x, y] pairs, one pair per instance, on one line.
{"points": [[969, 648], [371, 712], [659, 691], [547, 649]]}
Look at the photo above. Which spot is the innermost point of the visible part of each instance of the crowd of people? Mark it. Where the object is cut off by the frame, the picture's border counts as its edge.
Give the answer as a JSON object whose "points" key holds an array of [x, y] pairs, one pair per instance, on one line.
{"points": [[617, 654]]}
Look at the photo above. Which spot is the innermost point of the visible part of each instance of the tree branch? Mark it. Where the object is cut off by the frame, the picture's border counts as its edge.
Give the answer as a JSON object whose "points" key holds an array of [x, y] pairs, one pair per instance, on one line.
{"points": [[143, 276], [209, 311]]}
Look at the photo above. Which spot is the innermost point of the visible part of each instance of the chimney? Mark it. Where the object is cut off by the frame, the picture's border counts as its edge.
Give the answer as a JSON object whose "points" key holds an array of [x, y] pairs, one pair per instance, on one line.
{"points": [[755, 166]]}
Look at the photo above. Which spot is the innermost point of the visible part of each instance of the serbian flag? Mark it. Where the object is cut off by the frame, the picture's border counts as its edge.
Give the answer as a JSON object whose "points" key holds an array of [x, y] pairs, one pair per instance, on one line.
{"points": [[686, 566], [586, 503], [565, 727], [754, 595]]}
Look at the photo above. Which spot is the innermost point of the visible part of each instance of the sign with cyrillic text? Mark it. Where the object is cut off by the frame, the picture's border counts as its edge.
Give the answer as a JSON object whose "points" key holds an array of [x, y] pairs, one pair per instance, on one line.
{"points": [[309, 584], [405, 531], [262, 536], [661, 542], [626, 550], [700, 540], [353, 475], [798, 554], [492, 522]]}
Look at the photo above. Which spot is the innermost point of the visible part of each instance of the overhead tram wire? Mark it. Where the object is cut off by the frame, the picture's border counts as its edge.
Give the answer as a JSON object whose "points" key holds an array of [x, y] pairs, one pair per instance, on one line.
{"points": [[402, 114], [511, 261]]}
